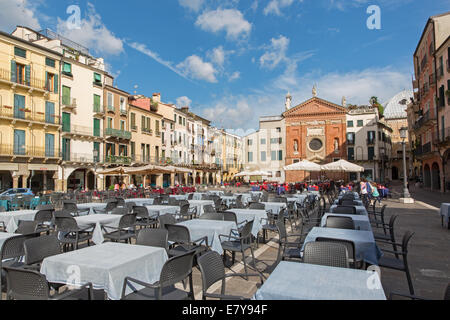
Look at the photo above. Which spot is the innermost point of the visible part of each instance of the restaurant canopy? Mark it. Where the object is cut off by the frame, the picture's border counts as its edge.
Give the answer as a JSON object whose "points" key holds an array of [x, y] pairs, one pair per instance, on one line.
{"points": [[253, 174], [342, 166], [304, 165]]}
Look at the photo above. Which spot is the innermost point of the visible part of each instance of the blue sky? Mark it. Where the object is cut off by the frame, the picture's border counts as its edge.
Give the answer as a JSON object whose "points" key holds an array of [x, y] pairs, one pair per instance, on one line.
{"points": [[233, 61]]}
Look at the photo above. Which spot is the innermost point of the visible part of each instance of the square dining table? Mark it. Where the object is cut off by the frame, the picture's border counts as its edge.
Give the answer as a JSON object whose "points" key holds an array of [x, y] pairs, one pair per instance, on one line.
{"points": [[275, 207], [106, 266], [97, 221], [92, 206], [257, 216], [302, 281], [141, 201], [199, 204], [154, 210], [365, 246], [210, 228]]}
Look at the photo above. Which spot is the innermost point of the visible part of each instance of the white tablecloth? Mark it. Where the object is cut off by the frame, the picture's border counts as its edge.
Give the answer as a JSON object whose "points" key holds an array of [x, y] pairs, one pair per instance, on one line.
{"points": [[106, 266], [11, 219], [246, 197], [162, 210], [98, 220], [275, 207], [91, 206], [211, 229], [198, 195], [361, 210], [141, 201], [199, 204], [301, 281], [179, 196], [251, 214], [228, 200], [217, 193]]}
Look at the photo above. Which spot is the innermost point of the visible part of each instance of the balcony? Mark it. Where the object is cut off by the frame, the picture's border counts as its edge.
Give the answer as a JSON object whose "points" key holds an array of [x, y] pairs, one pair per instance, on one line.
{"points": [[99, 111], [121, 160], [444, 138], [110, 109], [119, 134], [31, 83], [423, 150], [133, 127], [82, 132], [426, 121], [68, 104], [158, 134], [371, 142], [26, 115], [123, 112], [80, 158], [147, 131], [17, 151], [351, 142]]}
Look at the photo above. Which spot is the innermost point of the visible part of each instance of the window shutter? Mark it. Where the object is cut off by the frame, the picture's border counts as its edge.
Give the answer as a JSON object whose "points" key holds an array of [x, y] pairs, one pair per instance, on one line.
{"points": [[56, 84], [47, 86], [28, 75], [13, 71]]}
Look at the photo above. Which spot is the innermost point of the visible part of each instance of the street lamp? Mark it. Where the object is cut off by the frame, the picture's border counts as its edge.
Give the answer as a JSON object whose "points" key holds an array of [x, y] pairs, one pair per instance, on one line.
{"points": [[406, 196]]}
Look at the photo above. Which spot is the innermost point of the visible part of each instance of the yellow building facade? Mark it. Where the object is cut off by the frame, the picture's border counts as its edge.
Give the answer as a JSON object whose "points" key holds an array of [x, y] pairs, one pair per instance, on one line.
{"points": [[29, 115]]}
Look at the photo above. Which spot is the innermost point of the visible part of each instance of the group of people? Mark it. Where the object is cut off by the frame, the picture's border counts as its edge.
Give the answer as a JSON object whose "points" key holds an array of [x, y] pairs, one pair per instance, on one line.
{"points": [[369, 190]]}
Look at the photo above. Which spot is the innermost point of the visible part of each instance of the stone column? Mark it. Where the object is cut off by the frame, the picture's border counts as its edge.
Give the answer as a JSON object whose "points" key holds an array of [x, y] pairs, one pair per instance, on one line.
{"points": [[186, 178], [24, 180], [160, 180], [172, 179], [194, 178], [15, 182]]}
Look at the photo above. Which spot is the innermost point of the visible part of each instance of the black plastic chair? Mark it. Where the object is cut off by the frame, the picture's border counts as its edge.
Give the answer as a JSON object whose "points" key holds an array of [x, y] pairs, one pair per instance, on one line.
{"points": [[26, 284], [175, 270], [212, 216], [37, 249], [124, 232], [240, 242], [270, 225], [288, 250], [165, 220], [44, 219], [70, 233], [186, 213], [110, 206], [153, 238], [143, 219], [27, 227], [71, 206], [388, 235], [209, 209], [326, 254], [257, 206], [340, 223], [396, 263], [344, 210], [350, 245], [213, 270], [157, 201], [11, 253], [182, 242]]}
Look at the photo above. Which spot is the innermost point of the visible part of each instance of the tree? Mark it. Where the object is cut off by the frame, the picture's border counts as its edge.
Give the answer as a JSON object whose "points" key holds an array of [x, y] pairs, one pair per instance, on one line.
{"points": [[374, 102]]}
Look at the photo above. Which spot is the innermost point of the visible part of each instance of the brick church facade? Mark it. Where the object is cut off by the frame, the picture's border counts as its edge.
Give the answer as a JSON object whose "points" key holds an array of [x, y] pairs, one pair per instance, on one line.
{"points": [[315, 131]]}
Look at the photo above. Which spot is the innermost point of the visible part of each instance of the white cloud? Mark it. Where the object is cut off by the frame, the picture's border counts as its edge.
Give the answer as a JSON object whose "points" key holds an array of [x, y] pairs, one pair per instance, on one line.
{"points": [[243, 111], [183, 102], [276, 53], [217, 56], [194, 5], [92, 34], [17, 12], [275, 6], [234, 76], [231, 21], [196, 68]]}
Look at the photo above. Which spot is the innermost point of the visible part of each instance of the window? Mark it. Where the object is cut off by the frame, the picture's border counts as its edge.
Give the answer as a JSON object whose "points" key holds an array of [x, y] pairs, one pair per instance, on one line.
{"points": [[20, 52], [20, 73], [263, 156], [143, 123], [263, 141], [280, 155], [110, 123], [350, 124], [371, 152], [351, 154], [67, 69], [19, 142], [66, 96], [180, 120], [371, 136], [278, 129], [49, 112], [360, 123], [96, 127], [97, 78], [250, 157], [66, 122], [122, 125], [97, 107], [148, 126], [51, 82], [123, 107], [66, 149], [249, 142], [175, 118], [110, 101], [133, 121], [184, 121], [50, 62], [351, 138], [19, 106]]}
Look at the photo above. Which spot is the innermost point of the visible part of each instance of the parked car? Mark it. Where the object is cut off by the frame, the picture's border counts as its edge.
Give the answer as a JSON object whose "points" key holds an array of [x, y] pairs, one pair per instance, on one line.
{"points": [[11, 193]]}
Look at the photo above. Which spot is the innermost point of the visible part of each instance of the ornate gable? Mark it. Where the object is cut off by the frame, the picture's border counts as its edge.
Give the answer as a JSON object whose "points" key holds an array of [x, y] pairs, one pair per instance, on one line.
{"points": [[315, 107]]}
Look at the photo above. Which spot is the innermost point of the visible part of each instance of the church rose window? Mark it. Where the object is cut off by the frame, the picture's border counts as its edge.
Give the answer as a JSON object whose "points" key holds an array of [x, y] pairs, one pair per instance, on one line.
{"points": [[316, 145]]}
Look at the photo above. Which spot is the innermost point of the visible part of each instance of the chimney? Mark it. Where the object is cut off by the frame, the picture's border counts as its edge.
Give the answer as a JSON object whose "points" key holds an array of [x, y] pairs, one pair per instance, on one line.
{"points": [[157, 97], [185, 109]]}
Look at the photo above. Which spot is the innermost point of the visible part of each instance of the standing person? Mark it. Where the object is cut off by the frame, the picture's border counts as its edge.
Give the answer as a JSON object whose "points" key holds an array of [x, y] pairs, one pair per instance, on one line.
{"points": [[375, 192], [363, 186]]}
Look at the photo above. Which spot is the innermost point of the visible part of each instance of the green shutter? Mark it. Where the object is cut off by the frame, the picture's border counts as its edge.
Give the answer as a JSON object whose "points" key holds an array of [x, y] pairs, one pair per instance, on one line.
{"points": [[96, 127], [142, 123], [13, 71], [66, 122], [65, 95], [56, 84], [97, 148], [67, 68], [20, 52], [28, 75], [46, 82], [96, 103]]}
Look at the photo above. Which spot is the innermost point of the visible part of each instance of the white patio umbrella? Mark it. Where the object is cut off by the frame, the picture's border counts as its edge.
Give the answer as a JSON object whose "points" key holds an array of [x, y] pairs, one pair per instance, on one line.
{"points": [[304, 165], [242, 174], [342, 166]]}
